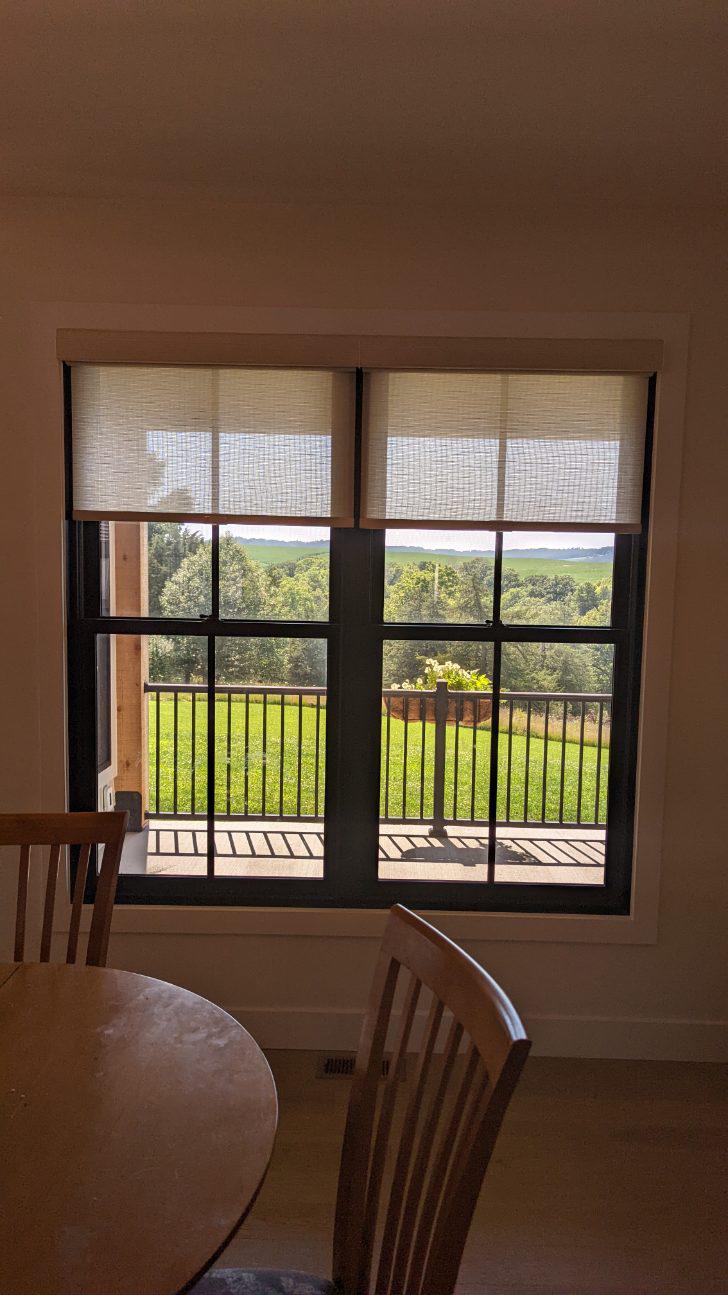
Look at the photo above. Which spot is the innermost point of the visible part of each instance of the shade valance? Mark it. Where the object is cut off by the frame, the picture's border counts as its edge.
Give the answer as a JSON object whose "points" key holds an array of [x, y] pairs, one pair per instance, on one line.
{"points": [[212, 443], [504, 450]]}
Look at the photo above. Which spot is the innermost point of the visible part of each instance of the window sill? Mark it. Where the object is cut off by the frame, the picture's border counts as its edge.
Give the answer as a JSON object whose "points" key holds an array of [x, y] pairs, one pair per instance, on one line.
{"points": [[369, 924]]}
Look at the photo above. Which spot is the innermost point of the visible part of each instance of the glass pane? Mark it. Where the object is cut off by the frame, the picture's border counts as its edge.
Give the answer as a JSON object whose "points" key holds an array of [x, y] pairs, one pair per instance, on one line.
{"points": [[557, 578], [152, 712], [439, 576], [274, 572], [156, 569], [270, 757], [435, 765], [553, 762]]}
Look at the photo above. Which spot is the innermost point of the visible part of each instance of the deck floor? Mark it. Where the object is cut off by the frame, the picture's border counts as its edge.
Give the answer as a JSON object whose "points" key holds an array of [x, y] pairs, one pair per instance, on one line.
{"points": [[406, 851]]}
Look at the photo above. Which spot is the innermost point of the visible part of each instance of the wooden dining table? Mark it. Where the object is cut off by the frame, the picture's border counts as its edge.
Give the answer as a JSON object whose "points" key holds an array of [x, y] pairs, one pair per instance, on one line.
{"points": [[137, 1121]]}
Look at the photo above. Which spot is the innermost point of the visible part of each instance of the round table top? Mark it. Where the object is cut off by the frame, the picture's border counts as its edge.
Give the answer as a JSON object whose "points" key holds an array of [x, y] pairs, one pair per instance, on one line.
{"points": [[136, 1124]]}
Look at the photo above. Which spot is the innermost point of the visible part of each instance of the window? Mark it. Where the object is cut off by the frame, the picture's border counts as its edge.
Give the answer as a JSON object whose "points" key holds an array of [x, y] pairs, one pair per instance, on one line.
{"points": [[345, 637]]}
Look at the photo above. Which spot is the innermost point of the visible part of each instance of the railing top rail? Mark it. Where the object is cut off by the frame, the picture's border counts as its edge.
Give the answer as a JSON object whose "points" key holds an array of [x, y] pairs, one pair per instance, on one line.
{"points": [[280, 690], [252, 689], [507, 694]]}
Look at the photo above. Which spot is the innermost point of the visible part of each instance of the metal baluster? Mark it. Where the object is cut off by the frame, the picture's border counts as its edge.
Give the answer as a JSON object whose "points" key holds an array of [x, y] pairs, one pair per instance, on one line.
{"points": [[193, 699], [441, 706], [422, 756], [175, 744], [563, 762], [316, 764], [264, 760], [404, 757], [456, 755], [474, 756], [388, 708], [300, 753], [581, 762], [282, 754], [510, 760], [228, 750], [156, 751], [545, 763], [599, 763], [246, 757], [528, 761]]}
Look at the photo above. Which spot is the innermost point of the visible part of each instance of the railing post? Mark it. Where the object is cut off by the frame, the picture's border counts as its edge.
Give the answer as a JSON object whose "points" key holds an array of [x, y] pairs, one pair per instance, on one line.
{"points": [[438, 777]]}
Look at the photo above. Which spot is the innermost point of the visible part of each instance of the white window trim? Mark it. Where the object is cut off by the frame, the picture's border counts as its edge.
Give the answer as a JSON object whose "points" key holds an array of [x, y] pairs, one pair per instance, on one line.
{"points": [[641, 927]]}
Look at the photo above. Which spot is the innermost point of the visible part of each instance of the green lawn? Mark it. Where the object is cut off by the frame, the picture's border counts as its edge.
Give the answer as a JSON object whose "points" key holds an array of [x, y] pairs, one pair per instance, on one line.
{"points": [[300, 789]]}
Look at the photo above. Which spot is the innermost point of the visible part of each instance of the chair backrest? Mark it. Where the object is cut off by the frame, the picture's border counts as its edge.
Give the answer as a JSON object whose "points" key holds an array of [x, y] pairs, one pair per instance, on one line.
{"points": [[57, 830], [415, 1153]]}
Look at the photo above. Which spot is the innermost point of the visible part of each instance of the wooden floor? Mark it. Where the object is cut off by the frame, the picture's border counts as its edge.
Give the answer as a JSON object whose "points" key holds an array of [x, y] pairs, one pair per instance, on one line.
{"points": [[608, 1179], [406, 852]]}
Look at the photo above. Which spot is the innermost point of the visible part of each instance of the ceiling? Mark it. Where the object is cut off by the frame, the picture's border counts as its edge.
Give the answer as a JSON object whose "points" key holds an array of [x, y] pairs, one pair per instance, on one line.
{"points": [[459, 101]]}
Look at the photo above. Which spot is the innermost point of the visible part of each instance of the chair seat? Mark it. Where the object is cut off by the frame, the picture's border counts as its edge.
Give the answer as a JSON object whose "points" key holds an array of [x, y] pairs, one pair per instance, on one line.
{"points": [[262, 1281]]}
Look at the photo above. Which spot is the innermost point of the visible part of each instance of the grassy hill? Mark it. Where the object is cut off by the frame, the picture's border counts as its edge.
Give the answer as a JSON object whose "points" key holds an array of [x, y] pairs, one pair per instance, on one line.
{"points": [[582, 564]]}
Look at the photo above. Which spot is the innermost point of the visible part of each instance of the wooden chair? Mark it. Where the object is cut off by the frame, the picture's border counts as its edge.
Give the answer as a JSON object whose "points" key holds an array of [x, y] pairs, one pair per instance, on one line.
{"points": [[57, 830], [414, 1154]]}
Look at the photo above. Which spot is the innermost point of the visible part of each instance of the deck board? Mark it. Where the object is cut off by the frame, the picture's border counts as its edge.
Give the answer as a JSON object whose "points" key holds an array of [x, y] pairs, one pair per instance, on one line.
{"points": [[295, 848]]}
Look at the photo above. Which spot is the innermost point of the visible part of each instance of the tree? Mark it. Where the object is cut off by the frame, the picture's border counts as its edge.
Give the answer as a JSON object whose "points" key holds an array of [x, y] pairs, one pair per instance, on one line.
{"points": [[169, 543], [299, 590], [473, 596], [421, 591], [242, 594]]}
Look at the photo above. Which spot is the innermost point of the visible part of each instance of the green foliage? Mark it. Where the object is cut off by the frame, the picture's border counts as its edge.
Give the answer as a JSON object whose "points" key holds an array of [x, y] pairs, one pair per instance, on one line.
{"points": [[540, 591], [299, 590], [168, 546], [457, 678], [434, 591]]}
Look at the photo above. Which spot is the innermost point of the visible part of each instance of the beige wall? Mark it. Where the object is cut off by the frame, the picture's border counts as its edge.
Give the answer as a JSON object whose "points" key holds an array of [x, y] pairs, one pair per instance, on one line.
{"points": [[657, 998]]}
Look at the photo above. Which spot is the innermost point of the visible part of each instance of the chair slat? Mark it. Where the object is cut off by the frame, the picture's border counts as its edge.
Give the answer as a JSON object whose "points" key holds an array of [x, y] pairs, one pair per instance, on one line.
{"points": [[356, 1148], [78, 893], [406, 1147], [428, 1130], [22, 905], [381, 1141], [461, 1118], [50, 903]]}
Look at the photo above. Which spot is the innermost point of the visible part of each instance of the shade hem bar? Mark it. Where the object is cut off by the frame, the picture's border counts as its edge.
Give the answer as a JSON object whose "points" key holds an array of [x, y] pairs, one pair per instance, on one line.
{"points": [[505, 524], [211, 519]]}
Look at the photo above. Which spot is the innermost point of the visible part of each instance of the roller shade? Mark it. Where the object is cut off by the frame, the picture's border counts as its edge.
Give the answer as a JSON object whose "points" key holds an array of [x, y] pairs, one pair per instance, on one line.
{"points": [[518, 451], [218, 444]]}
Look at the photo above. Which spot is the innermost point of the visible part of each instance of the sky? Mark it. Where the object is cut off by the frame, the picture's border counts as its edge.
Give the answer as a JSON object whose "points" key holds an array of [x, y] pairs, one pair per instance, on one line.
{"points": [[459, 540]]}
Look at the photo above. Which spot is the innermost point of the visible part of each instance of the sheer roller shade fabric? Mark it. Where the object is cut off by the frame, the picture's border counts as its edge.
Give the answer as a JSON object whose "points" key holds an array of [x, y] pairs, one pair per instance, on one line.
{"points": [[519, 451], [216, 444]]}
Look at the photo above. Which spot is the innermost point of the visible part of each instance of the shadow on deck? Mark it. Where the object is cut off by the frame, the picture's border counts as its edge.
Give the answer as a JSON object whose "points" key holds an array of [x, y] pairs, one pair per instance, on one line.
{"points": [[268, 848]]}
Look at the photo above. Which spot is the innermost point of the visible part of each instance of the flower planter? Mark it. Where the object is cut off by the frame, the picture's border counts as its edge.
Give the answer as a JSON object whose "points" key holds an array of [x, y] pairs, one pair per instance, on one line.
{"points": [[469, 710]]}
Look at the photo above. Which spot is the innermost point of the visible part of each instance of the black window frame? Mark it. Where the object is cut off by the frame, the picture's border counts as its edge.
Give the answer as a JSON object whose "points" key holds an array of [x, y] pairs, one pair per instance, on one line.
{"points": [[355, 633]]}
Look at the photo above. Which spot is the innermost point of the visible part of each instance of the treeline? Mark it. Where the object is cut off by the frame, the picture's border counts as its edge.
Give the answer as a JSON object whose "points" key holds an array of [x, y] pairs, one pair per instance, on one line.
{"points": [[426, 591]]}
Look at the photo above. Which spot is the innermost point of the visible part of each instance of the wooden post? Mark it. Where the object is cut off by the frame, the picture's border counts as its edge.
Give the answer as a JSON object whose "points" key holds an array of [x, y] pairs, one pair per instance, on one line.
{"points": [[438, 790], [131, 589]]}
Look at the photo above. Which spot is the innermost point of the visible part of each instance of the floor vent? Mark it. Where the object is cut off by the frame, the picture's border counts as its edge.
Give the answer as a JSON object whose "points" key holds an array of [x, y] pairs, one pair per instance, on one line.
{"points": [[338, 1065]]}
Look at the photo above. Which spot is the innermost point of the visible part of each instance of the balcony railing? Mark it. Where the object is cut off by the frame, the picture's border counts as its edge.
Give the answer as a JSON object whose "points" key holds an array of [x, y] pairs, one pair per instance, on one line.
{"points": [[553, 755]]}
